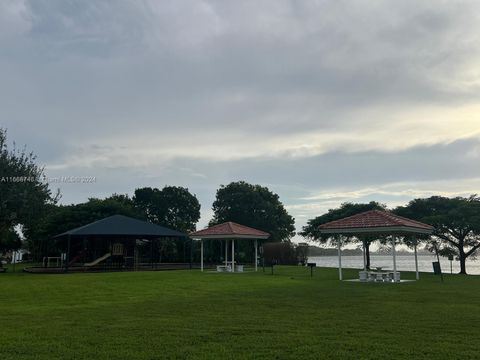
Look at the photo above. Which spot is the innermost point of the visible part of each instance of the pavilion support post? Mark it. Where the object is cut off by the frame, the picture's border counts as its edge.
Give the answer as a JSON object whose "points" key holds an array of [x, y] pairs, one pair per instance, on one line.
{"points": [[226, 253], [364, 257], [135, 255], [256, 254], [67, 257], [201, 255], [184, 251], [84, 250], [155, 250], [191, 253], [233, 255], [151, 253], [340, 275], [394, 259], [417, 274]]}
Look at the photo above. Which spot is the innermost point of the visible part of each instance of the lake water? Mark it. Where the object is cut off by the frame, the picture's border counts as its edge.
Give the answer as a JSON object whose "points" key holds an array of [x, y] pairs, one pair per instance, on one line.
{"points": [[404, 263]]}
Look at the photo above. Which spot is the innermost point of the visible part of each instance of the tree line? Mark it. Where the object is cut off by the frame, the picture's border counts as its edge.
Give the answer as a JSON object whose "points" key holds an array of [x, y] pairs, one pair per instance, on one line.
{"points": [[28, 206]]}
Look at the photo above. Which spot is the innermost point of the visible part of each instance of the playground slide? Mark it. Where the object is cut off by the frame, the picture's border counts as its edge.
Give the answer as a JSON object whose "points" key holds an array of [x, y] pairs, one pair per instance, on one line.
{"points": [[99, 260]]}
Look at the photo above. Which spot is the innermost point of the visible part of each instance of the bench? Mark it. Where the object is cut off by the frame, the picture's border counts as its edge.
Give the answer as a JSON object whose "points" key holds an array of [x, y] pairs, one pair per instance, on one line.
{"points": [[378, 276], [224, 268]]}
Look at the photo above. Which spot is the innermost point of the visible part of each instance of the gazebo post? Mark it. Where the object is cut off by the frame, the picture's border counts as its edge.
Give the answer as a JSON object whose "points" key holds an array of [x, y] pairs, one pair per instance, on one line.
{"points": [[226, 253], [256, 255], [416, 261], [394, 259], [340, 275], [201, 254], [364, 256], [233, 255]]}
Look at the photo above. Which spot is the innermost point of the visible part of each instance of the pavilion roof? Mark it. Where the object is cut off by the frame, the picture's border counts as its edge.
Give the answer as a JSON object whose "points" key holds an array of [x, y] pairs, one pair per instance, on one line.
{"points": [[230, 230], [122, 226], [375, 221]]}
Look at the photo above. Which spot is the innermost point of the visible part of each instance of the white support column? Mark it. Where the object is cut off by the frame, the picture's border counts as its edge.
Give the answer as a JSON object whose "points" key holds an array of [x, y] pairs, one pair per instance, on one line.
{"points": [[394, 259], [416, 262], [364, 257], [226, 253], [201, 254], [233, 255], [256, 254], [340, 276]]}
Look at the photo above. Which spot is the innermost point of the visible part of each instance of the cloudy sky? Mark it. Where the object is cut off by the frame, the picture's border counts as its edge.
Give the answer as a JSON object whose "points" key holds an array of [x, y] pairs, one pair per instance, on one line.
{"points": [[321, 101]]}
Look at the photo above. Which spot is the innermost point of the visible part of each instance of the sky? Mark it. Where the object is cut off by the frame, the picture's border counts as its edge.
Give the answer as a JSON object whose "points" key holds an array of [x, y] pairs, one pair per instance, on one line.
{"points": [[323, 102]]}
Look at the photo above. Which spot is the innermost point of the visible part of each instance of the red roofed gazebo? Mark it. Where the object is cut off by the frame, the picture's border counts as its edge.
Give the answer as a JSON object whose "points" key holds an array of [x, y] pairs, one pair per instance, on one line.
{"points": [[379, 223], [229, 231]]}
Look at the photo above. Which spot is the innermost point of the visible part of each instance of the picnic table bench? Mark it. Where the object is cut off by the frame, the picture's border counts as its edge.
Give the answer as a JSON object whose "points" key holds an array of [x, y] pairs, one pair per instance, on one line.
{"points": [[379, 276]]}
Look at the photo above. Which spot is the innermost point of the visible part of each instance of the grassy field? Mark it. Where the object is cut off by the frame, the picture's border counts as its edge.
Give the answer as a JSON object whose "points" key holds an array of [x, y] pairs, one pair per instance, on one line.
{"points": [[190, 315]]}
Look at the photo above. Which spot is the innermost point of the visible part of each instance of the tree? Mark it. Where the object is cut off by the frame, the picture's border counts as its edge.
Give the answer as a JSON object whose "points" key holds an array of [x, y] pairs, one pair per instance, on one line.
{"points": [[10, 240], [456, 221], [23, 191], [312, 232], [255, 206], [173, 206]]}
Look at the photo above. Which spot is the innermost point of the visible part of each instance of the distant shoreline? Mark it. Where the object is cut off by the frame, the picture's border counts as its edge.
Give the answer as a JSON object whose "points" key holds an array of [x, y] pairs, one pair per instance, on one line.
{"points": [[318, 251], [372, 254]]}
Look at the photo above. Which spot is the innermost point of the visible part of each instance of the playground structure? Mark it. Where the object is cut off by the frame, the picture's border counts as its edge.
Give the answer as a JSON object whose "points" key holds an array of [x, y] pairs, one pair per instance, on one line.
{"points": [[113, 244]]}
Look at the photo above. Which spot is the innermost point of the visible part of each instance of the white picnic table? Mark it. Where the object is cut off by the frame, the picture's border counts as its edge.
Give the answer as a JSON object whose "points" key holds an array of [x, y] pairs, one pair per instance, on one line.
{"points": [[228, 266], [379, 275]]}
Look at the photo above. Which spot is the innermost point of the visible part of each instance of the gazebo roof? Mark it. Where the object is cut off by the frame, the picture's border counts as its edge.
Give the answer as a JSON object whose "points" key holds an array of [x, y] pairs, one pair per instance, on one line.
{"points": [[375, 221], [230, 230], [119, 225]]}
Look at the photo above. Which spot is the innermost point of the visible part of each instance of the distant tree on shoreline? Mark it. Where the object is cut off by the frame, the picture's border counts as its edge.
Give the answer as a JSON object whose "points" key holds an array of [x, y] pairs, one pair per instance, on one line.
{"points": [[456, 221]]}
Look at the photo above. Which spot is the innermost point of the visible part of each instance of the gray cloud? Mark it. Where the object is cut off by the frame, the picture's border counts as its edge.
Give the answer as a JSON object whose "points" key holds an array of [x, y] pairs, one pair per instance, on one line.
{"points": [[359, 99], [307, 186]]}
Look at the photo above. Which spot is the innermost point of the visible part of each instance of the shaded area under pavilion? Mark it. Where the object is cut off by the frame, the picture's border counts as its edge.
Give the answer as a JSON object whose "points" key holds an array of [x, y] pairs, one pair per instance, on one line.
{"points": [[230, 231], [113, 243], [380, 223]]}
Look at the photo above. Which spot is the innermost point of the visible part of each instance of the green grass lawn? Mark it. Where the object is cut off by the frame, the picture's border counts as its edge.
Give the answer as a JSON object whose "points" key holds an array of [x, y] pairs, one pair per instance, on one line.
{"points": [[190, 315]]}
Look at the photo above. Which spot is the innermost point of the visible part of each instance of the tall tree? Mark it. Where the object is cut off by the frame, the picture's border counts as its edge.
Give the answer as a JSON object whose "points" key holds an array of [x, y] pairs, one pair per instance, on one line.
{"points": [[23, 191], [456, 221], [255, 206], [173, 206], [312, 232], [10, 240]]}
